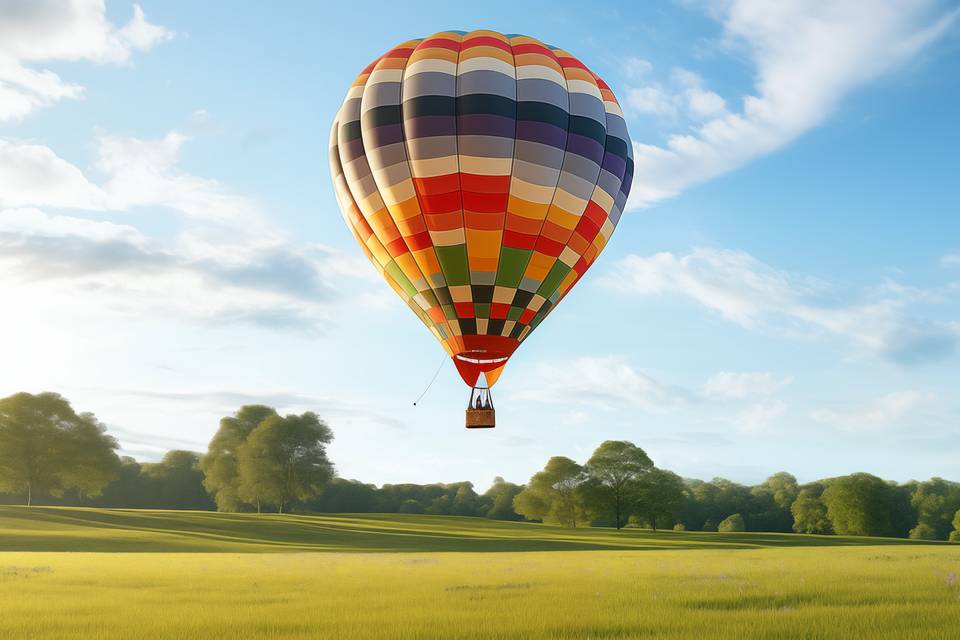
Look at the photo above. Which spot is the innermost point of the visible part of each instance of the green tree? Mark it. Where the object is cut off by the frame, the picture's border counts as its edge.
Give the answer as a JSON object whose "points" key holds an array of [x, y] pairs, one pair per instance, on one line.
{"points": [[770, 508], [810, 513], [219, 465], [935, 502], [553, 495], [410, 506], [859, 505], [732, 523], [955, 534], [614, 470], [345, 496], [46, 448], [659, 497], [500, 496], [176, 482], [285, 459], [465, 501]]}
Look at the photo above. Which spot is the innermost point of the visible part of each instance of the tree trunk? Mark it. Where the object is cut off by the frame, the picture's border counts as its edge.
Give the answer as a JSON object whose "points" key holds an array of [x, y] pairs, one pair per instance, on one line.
{"points": [[617, 500], [258, 505], [653, 522], [29, 494], [280, 507]]}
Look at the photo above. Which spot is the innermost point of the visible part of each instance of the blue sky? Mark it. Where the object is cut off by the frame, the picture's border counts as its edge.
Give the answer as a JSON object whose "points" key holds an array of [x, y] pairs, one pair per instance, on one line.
{"points": [[784, 292]]}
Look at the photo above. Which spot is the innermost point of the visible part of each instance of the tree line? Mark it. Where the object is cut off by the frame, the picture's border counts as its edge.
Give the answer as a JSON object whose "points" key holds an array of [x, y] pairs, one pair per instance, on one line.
{"points": [[260, 460]]}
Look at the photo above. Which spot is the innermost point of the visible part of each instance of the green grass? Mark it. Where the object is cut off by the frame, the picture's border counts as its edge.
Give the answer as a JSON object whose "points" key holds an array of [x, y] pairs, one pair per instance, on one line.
{"points": [[203, 575]]}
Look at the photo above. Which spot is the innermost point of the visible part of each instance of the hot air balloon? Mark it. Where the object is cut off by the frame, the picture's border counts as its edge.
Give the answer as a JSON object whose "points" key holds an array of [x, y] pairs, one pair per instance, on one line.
{"points": [[482, 174]]}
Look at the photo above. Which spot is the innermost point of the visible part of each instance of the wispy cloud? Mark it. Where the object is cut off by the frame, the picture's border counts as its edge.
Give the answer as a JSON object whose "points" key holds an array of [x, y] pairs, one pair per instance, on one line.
{"points": [[758, 417], [807, 57], [61, 30], [756, 295], [602, 383], [951, 259], [884, 411], [740, 385]]}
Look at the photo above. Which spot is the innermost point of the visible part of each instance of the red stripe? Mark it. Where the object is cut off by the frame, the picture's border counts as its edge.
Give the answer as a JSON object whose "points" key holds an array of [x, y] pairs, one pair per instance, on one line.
{"points": [[498, 311], [480, 41], [399, 52], [533, 48], [439, 43], [397, 247], [549, 247], [485, 202], [595, 213], [484, 184], [437, 184], [571, 62], [440, 202], [516, 240], [419, 241]]}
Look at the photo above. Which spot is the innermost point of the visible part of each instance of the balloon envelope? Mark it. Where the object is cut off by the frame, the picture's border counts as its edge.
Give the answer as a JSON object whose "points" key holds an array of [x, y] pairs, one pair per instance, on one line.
{"points": [[482, 174]]}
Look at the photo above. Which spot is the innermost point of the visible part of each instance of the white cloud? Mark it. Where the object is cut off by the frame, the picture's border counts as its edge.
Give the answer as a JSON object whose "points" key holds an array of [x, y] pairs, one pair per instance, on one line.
{"points": [[145, 173], [951, 259], [807, 58], [635, 68], [686, 96], [600, 382], [33, 175], [884, 411], [70, 30], [733, 385], [756, 295], [759, 416], [225, 263], [651, 99]]}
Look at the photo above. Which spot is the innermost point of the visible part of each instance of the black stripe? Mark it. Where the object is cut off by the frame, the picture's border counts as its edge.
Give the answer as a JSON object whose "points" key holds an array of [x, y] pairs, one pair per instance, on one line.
{"points": [[616, 146], [429, 106], [349, 131], [486, 103], [380, 116], [543, 112], [587, 127]]}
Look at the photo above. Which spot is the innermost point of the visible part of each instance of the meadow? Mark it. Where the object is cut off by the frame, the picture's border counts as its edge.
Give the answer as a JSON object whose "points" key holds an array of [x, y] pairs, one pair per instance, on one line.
{"points": [[87, 573]]}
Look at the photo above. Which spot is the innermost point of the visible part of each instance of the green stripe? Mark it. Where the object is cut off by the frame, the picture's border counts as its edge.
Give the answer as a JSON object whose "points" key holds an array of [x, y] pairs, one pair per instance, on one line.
{"points": [[557, 273], [395, 272], [453, 263], [513, 262]]}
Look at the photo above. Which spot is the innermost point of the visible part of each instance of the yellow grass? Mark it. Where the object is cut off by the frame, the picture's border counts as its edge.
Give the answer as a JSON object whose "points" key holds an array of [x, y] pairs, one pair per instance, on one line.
{"points": [[738, 587]]}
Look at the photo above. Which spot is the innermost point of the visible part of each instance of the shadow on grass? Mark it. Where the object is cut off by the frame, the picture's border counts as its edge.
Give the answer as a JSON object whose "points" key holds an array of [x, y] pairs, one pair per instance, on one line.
{"points": [[121, 530]]}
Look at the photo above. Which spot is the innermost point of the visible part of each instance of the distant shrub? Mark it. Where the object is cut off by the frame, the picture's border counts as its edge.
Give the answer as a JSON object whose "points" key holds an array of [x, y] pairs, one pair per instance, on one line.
{"points": [[679, 527], [923, 531], [733, 523], [411, 506]]}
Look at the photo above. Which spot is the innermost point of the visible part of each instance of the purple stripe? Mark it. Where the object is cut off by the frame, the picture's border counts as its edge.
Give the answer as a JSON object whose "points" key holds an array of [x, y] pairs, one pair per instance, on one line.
{"points": [[586, 147], [383, 135], [484, 124], [541, 132], [614, 164], [428, 126]]}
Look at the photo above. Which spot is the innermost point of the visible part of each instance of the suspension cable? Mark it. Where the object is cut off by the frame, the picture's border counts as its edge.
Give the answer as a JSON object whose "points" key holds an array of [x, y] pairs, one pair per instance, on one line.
{"points": [[435, 374]]}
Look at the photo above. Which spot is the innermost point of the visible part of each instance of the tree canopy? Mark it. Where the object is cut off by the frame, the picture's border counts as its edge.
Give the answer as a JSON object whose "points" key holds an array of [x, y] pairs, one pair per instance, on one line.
{"points": [[613, 472], [284, 459], [553, 495], [47, 448]]}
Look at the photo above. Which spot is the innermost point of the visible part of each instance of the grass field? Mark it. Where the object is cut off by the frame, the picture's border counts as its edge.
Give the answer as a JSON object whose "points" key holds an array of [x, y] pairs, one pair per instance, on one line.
{"points": [[204, 575]]}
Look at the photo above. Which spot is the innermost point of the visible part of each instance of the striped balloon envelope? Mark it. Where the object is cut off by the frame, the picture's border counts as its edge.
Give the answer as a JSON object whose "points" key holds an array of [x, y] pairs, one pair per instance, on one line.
{"points": [[482, 174]]}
